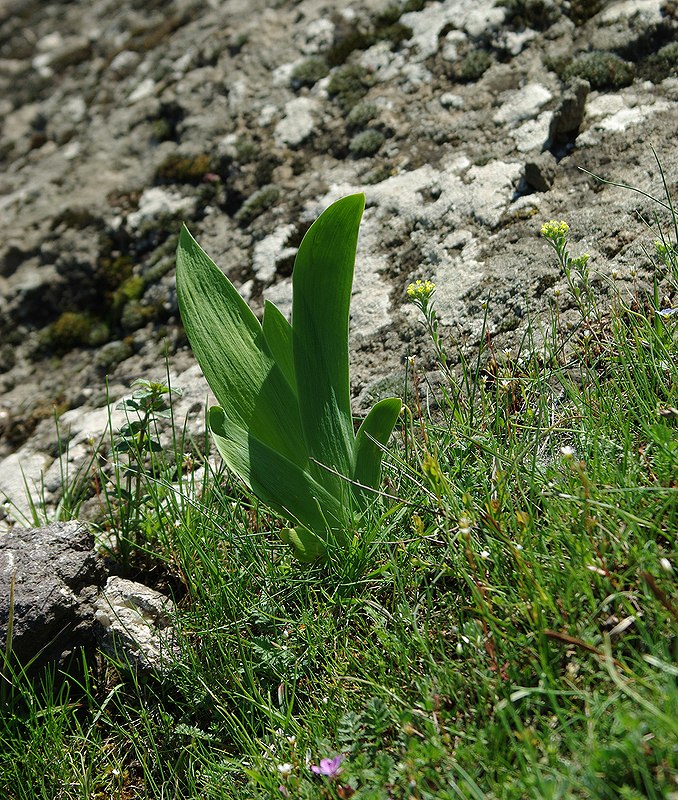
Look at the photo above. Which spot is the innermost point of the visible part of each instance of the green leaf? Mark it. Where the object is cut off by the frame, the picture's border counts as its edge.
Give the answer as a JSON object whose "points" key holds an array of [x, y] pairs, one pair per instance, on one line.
{"points": [[229, 344], [276, 480], [321, 297], [278, 335], [371, 439]]}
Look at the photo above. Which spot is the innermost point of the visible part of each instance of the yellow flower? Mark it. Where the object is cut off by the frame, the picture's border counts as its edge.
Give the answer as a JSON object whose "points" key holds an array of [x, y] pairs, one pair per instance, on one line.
{"points": [[554, 230], [421, 290]]}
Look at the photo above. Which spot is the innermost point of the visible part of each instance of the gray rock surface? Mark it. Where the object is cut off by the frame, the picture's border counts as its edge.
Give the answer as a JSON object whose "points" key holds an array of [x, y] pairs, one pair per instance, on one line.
{"points": [[135, 625], [117, 121], [57, 577]]}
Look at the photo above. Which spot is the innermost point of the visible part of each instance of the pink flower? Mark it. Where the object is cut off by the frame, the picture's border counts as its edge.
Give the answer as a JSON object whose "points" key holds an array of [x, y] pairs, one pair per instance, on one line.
{"points": [[329, 767]]}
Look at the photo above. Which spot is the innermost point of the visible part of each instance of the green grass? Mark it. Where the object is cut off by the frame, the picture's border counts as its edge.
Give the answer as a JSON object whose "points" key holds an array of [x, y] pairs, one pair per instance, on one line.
{"points": [[505, 627]]}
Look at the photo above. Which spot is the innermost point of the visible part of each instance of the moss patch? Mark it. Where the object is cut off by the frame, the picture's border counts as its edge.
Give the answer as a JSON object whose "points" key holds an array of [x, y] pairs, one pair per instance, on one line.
{"points": [[473, 66], [660, 65], [536, 14], [183, 169], [309, 72], [346, 44], [580, 11], [256, 204], [360, 115], [602, 70], [348, 85], [366, 143], [70, 330]]}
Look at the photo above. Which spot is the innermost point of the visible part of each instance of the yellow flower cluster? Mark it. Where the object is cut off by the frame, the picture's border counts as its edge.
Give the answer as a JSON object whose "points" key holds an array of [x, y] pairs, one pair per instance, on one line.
{"points": [[421, 290], [554, 230]]}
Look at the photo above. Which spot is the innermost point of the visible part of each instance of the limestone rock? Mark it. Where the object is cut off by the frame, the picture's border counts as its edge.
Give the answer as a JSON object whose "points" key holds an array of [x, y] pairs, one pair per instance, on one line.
{"points": [[135, 625], [541, 171], [57, 576]]}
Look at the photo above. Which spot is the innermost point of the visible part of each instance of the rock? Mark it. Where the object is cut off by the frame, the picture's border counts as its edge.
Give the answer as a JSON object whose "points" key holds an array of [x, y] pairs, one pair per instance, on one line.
{"points": [[615, 114], [142, 91], [570, 112], [297, 124], [271, 251], [57, 576], [21, 483], [451, 100], [156, 202], [124, 63], [628, 26], [135, 625], [523, 104], [541, 171]]}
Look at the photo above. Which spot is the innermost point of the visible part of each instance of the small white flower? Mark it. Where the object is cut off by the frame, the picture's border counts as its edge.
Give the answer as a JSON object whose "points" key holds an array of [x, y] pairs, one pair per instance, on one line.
{"points": [[484, 553], [666, 565], [285, 770], [567, 452]]}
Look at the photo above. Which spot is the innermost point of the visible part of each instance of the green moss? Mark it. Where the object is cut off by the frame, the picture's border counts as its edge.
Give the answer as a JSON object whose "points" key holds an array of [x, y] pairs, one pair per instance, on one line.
{"points": [[112, 354], [263, 172], [389, 16], [360, 115], [396, 33], [348, 85], [70, 330], [256, 204], [135, 315], [536, 14], [162, 130], [366, 143], [99, 333], [309, 72], [660, 65], [113, 270], [379, 174], [246, 150], [601, 70], [385, 25], [473, 66], [183, 169], [130, 289], [353, 40], [76, 217], [580, 11]]}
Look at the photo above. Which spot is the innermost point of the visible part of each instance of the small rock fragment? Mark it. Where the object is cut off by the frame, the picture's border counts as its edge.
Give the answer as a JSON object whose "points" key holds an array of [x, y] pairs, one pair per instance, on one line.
{"points": [[540, 171], [135, 624]]}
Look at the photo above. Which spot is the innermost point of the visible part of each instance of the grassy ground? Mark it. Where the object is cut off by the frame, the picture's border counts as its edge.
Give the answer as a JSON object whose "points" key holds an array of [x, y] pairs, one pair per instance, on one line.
{"points": [[504, 627]]}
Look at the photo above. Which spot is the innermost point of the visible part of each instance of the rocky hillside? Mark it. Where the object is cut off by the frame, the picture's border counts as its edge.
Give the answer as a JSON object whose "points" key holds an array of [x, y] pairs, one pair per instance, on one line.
{"points": [[465, 123]]}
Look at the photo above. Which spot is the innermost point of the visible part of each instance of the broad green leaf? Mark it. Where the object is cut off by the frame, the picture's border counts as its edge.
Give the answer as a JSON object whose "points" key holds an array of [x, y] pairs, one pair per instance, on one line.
{"points": [[372, 437], [278, 335], [321, 297], [229, 344], [276, 480]]}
